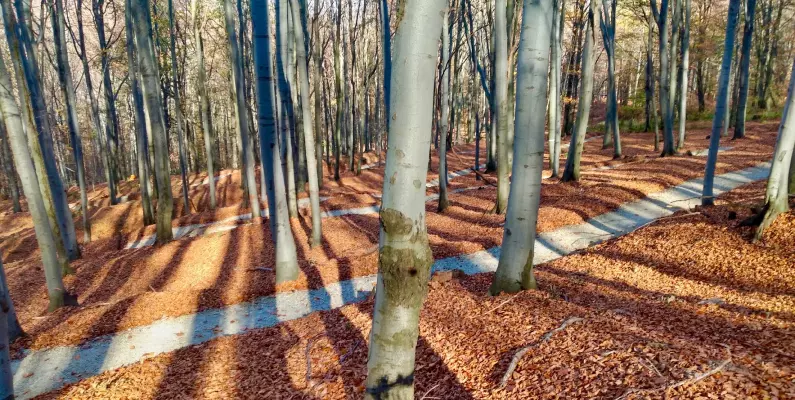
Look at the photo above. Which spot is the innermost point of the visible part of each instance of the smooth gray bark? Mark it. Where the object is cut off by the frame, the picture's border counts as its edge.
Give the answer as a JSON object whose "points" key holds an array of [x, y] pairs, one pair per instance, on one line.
{"points": [[204, 100], [68, 92], [745, 64], [309, 135], [572, 170], [281, 231], [661, 17], [155, 120], [183, 158], [112, 129], [286, 115], [777, 194], [685, 75], [444, 123], [515, 269], [58, 296], [501, 99], [707, 198], [607, 21], [7, 319], [555, 108], [238, 90], [338, 83], [404, 252], [9, 170]]}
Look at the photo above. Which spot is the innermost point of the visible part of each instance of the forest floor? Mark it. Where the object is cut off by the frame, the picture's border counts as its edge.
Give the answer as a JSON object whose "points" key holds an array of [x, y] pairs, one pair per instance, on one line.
{"points": [[639, 295]]}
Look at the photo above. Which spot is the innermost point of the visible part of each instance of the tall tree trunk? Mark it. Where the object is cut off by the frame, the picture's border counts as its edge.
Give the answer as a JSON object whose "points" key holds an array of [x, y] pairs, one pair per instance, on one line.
{"points": [[281, 232], [240, 108], [183, 162], [62, 224], [405, 255], [142, 156], [58, 296], [515, 269], [287, 118], [153, 107], [444, 123], [501, 99], [673, 49], [68, 91], [745, 64], [558, 17], [8, 169], [650, 81], [309, 135], [204, 100], [685, 77], [111, 115], [572, 170], [707, 199], [607, 19], [386, 37], [776, 196], [665, 89], [338, 82]]}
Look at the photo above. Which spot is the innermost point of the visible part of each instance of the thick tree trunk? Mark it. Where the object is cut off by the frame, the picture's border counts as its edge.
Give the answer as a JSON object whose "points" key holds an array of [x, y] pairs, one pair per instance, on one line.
{"points": [[281, 232], [405, 254], [153, 107], [608, 24], [745, 64], [58, 296], [776, 196], [515, 269], [572, 170], [707, 198]]}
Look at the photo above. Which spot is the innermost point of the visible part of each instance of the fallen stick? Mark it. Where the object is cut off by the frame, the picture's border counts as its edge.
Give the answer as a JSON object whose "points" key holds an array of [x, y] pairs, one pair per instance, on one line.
{"points": [[309, 344], [519, 354], [688, 381], [483, 177]]}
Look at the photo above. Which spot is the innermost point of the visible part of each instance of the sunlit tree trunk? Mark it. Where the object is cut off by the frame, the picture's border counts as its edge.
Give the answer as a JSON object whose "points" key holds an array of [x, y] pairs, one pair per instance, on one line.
{"points": [[776, 196], [707, 198], [155, 120], [240, 108], [309, 135], [183, 167], [204, 100], [685, 75], [68, 91], [404, 252], [515, 269], [58, 296], [444, 123], [607, 19], [338, 90], [112, 130], [558, 16], [501, 100], [572, 170], [281, 232]]}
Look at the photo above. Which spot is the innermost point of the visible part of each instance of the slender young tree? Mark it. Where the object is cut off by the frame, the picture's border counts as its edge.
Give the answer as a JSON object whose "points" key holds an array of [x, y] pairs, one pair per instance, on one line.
{"points": [[386, 38], [707, 198], [685, 74], [204, 100], [776, 196], [309, 135], [404, 251], [183, 158], [661, 17], [68, 92], [515, 269], [58, 296], [338, 83], [572, 170], [155, 120], [281, 232], [745, 64], [240, 107], [142, 148], [284, 66], [501, 100], [607, 21], [555, 108], [112, 128], [444, 123]]}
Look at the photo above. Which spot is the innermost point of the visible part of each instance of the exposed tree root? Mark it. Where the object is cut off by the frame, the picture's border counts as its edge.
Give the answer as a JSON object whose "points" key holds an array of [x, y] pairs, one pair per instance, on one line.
{"points": [[519, 354]]}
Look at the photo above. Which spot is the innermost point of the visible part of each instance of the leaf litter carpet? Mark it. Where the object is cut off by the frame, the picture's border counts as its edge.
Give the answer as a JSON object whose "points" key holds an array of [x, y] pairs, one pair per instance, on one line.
{"points": [[659, 320]]}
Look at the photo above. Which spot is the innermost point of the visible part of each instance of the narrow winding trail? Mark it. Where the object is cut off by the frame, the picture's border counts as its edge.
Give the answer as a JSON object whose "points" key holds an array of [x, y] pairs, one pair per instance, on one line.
{"points": [[45, 370]]}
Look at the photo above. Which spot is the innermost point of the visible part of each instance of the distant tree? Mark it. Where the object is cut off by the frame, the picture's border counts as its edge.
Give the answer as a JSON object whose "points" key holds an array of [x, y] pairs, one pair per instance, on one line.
{"points": [[205, 111], [8, 169], [745, 66], [555, 107], [685, 74], [607, 22], [444, 122], [183, 158], [404, 251], [515, 269]]}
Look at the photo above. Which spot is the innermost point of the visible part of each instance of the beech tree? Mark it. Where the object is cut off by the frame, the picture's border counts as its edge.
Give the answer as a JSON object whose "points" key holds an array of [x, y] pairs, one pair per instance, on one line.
{"points": [[205, 111], [515, 269], [607, 22], [501, 101], [404, 262], [745, 66], [555, 108], [7, 318], [444, 122]]}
